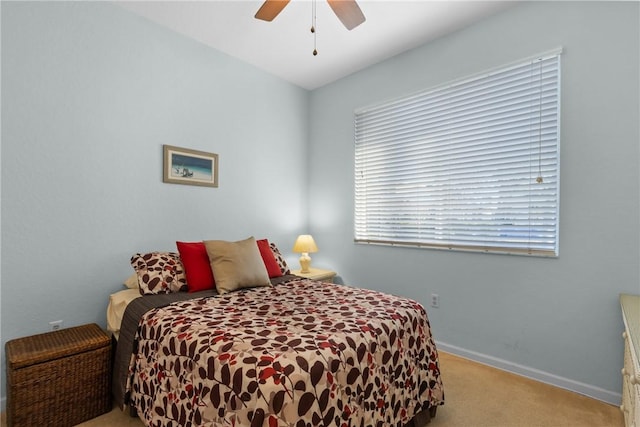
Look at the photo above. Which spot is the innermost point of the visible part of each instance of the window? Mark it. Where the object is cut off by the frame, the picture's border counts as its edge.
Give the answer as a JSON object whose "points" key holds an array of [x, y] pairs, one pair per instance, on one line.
{"points": [[472, 165]]}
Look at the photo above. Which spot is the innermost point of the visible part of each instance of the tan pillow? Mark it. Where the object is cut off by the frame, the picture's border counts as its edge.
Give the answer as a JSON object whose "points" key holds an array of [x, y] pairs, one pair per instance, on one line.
{"points": [[236, 265], [132, 281]]}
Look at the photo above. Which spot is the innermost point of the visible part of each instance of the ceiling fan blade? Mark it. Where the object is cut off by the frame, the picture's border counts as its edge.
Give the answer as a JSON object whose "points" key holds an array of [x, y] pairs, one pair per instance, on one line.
{"points": [[348, 12], [270, 9]]}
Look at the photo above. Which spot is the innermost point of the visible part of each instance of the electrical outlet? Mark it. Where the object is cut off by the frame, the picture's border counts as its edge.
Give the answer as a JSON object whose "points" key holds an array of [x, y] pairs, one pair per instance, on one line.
{"points": [[435, 300], [55, 325]]}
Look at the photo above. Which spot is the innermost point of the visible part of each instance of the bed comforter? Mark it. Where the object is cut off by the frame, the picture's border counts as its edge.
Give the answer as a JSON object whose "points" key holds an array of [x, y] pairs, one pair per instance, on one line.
{"points": [[300, 353]]}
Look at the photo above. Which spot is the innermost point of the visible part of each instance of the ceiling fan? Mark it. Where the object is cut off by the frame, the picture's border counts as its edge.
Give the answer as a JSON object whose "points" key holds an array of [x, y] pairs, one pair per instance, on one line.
{"points": [[347, 11]]}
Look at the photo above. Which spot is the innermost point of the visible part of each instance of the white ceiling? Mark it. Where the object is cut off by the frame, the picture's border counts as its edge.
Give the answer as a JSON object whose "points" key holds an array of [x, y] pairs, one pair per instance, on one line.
{"points": [[284, 46]]}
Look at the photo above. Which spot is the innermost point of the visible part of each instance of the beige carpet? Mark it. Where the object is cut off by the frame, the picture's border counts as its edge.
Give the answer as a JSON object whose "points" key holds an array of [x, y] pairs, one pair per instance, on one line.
{"points": [[477, 396]]}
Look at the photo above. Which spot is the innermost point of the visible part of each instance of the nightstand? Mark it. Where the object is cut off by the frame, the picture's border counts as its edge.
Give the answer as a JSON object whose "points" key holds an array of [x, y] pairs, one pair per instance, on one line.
{"points": [[317, 274]]}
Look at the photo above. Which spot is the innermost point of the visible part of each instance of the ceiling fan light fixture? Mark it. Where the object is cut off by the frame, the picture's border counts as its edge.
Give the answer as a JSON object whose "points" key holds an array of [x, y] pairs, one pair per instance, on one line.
{"points": [[347, 11]]}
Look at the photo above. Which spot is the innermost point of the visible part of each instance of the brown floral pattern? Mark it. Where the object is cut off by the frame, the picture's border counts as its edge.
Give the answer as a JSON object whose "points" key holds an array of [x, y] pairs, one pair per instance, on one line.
{"points": [[284, 268], [159, 272], [301, 353]]}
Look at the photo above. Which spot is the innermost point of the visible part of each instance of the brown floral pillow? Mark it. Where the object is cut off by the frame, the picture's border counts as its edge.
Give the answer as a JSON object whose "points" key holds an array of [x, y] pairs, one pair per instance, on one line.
{"points": [[281, 262], [159, 272]]}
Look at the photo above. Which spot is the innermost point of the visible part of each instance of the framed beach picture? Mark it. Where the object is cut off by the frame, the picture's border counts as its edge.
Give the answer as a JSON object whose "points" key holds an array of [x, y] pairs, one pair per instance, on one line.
{"points": [[190, 167]]}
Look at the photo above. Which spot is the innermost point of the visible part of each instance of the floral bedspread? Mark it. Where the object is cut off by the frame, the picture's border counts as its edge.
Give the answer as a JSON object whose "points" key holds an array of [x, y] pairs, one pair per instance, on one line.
{"points": [[301, 353]]}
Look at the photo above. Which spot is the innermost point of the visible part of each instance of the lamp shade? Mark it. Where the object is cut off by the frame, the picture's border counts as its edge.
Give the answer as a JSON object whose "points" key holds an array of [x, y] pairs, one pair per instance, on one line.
{"points": [[305, 244]]}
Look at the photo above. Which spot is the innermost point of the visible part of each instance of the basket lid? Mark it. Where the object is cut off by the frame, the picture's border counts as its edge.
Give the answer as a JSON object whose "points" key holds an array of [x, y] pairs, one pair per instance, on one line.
{"points": [[49, 346]]}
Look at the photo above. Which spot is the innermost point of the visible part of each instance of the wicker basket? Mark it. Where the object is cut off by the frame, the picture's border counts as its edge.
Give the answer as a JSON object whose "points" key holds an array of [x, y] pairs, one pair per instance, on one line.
{"points": [[59, 378]]}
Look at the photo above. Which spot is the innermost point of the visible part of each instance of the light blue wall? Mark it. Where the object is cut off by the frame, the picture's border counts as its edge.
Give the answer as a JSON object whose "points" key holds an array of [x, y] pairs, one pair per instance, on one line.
{"points": [[559, 316], [90, 93]]}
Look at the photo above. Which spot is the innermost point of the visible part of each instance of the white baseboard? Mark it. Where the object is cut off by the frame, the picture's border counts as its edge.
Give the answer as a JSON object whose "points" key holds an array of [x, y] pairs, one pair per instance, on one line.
{"points": [[534, 374]]}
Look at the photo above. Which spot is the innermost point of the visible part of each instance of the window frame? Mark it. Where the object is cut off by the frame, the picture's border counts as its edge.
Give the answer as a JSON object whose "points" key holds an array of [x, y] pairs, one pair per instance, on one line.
{"points": [[489, 246]]}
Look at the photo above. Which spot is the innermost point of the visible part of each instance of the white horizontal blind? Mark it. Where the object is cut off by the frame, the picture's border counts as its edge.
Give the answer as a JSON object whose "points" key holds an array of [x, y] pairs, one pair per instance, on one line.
{"points": [[457, 166]]}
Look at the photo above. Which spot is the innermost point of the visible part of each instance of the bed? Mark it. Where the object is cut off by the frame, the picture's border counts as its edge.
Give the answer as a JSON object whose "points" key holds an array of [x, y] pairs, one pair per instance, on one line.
{"points": [[294, 353]]}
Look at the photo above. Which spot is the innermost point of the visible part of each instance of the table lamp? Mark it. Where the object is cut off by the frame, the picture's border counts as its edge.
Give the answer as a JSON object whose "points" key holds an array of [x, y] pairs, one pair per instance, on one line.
{"points": [[305, 244]]}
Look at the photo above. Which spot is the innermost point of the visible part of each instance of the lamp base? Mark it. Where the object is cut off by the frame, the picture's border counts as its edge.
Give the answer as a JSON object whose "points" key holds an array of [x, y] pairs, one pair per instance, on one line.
{"points": [[305, 262]]}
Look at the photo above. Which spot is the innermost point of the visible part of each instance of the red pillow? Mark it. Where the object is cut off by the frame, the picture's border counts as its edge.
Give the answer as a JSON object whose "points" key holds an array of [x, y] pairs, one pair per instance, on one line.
{"points": [[273, 268], [196, 266]]}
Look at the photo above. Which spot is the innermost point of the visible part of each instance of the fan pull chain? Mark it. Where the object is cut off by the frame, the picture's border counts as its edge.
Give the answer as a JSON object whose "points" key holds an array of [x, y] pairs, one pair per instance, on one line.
{"points": [[313, 26]]}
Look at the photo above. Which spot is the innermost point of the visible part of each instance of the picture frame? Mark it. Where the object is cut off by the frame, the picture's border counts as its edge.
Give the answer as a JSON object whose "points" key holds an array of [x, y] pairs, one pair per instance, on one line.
{"points": [[189, 167]]}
